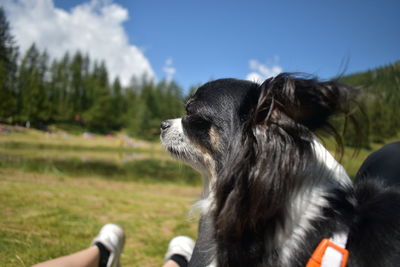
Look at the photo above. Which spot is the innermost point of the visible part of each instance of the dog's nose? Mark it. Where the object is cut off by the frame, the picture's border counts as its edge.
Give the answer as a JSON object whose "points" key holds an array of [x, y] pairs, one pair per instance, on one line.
{"points": [[165, 124]]}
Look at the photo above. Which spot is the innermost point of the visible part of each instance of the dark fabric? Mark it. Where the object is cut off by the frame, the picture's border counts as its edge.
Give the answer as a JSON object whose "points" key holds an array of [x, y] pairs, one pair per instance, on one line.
{"points": [[180, 260], [383, 164], [104, 254]]}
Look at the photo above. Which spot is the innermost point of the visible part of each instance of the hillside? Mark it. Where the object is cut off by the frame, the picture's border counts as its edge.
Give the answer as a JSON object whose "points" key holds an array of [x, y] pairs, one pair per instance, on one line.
{"points": [[380, 100]]}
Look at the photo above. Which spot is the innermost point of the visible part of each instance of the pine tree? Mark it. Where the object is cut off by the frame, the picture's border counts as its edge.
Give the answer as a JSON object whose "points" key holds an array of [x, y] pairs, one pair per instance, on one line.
{"points": [[99, 117], [32, 85], [8, 69], [60, 80], [150, 113], [119, 104], [381, 100]]}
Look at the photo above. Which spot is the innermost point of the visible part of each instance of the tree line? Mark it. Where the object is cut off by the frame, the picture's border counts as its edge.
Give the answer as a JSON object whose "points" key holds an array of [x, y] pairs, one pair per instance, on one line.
{"points": [[379, 101], [74, 90]]}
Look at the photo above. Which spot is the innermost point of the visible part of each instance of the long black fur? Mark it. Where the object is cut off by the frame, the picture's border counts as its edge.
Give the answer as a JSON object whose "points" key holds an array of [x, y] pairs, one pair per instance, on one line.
{"points": [[269, 162], [266, 158]]}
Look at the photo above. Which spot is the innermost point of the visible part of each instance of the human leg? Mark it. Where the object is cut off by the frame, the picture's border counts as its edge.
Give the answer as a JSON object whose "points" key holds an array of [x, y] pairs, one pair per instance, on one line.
{"points": [[104, 251], [85, 258]]}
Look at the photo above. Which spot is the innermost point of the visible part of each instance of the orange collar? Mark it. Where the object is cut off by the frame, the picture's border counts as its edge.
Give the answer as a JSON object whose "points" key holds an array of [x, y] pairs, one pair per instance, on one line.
{"points": [[316, 259]]}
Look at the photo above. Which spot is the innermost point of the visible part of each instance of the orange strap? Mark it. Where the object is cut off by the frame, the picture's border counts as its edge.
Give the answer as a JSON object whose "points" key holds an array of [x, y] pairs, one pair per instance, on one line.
{"points": [[316, 258]]}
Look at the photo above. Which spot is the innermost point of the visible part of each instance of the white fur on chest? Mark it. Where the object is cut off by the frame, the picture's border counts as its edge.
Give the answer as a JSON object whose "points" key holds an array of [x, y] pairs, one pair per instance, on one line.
{"points": [[306, 205]]}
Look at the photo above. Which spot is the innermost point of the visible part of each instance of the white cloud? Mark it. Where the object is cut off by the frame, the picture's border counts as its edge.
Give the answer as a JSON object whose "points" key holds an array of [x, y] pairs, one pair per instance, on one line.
{"points": [[169, 70], [260, 72], [93, 27]]}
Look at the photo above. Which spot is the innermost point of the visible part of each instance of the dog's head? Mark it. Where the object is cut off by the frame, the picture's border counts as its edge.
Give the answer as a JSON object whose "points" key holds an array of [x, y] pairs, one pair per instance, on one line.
{"points": [[223, 114], [214, 115], [255, 144]]}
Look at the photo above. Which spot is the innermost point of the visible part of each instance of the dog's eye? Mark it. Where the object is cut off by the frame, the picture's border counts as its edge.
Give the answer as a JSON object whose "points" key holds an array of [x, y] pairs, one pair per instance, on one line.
{"points": [[195, 118], [193, 115], [189, 111]]}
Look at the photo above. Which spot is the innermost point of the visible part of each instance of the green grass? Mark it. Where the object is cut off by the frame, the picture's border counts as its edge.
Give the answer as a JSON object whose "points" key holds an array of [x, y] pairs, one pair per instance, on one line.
{"points": [[58, 147], [46, 216], [61, 140], [57, 190], [352, 157], [144, 170]]}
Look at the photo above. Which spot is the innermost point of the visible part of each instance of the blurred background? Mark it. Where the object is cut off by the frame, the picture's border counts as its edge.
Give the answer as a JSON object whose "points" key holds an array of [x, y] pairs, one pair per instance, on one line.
{"points": [[84, 85]]}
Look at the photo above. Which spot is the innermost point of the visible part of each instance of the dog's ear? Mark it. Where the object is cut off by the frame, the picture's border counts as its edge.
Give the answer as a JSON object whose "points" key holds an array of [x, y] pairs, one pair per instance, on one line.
{"points": [[305, 100]]}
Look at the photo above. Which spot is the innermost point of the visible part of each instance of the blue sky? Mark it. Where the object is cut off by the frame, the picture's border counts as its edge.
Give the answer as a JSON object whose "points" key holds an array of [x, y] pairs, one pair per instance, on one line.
{"points": [[205, 40], [213, 39]]}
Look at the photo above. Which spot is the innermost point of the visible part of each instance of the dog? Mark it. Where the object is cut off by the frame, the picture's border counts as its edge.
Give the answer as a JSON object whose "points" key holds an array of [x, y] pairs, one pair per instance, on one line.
{"points": [[272, 192]]}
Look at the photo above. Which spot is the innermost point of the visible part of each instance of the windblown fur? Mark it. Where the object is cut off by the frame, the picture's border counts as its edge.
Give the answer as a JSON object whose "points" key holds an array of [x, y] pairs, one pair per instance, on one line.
{"points": [[273, 192]]}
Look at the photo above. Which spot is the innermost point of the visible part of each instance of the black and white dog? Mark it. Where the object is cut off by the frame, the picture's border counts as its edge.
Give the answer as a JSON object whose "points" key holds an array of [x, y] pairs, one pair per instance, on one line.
{"points": [[272, 192]]}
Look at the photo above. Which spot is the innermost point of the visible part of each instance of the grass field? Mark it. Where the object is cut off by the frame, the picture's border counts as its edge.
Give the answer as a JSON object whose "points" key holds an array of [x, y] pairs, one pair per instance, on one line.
{"points": [[57, 190]]}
